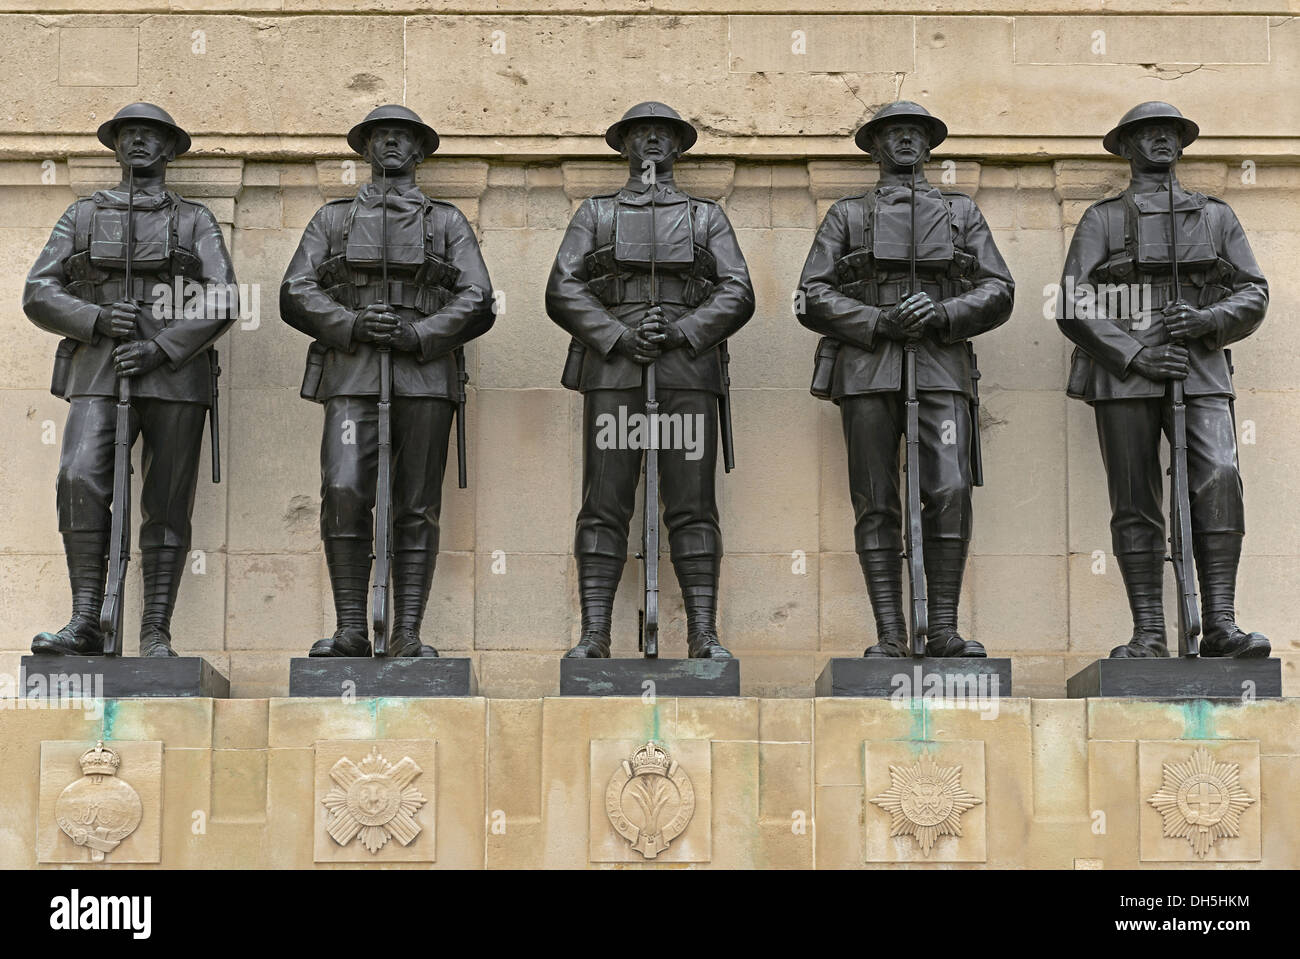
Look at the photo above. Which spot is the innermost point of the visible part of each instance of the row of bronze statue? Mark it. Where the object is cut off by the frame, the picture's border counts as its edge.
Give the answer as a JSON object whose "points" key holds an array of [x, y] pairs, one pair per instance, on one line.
{"points": [[650, 283]]}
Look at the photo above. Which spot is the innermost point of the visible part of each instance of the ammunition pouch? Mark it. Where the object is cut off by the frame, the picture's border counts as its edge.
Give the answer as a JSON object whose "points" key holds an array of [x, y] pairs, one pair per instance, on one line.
{"points": [[864, 278], [63, 366], [828, 350], [615, 285], [426, 292], [311, 377], [571, 378]]}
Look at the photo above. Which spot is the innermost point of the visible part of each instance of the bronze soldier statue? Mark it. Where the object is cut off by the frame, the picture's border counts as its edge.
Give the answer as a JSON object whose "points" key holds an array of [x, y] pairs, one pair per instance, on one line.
{"points": [[107, 282], [1155, 359], [390, 282], [649, 275], [899, 278]]}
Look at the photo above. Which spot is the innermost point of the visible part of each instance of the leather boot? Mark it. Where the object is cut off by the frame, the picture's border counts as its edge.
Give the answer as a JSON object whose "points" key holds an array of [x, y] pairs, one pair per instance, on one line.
{"points": [[698, 578], [883, 571], [1217, 558], [598, 578], [945, 562], [87, 566], [349, 565], [1144, 581], [412, 577], [162, 567]]}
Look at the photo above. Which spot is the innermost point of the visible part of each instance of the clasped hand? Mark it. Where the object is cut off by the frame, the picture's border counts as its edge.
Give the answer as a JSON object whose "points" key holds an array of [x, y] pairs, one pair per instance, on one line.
{"points": [[911, 319], [378, 324], [652, 336], [1183, 321]]}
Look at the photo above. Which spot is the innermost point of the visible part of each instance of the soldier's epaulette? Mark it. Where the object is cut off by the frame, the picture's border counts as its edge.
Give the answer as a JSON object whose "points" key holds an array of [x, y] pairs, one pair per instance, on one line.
{"points": [[961, 193], [194, 205]]}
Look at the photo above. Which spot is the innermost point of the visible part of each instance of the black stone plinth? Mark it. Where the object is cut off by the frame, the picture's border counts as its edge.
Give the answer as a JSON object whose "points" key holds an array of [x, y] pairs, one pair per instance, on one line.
{"points": [[922, 677], [122, 677], [671, 677], [1178, 677], [365, 676]]}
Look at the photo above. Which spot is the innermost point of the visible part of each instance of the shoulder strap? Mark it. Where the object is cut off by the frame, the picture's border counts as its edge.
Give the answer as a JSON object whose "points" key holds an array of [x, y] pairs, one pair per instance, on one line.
{"points": [[857, 224], [180, 206], [1118, 226], [604, 221], [700, 213], [861, 212], [435, 230], [81, 228], [345, 228]]}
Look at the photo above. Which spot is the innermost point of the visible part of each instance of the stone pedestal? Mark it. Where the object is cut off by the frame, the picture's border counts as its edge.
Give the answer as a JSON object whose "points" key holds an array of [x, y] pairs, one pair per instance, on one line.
{"points": [[1178, 677], [365, 676], [117, 677], [916, 678], [667, 677]]}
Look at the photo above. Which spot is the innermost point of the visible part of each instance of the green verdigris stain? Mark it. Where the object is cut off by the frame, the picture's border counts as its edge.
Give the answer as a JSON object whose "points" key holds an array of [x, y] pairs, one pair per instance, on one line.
{"points": [[920, 722], [654, 724], [1198, 719], [110, 718]]}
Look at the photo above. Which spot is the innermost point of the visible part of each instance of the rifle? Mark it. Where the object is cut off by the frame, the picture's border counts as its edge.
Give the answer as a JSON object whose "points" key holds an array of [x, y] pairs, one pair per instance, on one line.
{"points": [[119, 541], [379, 594], [911, 466], [976, 450], [1180, 512], [462, 380], [214, 416], [724, 411], [650, 550]]}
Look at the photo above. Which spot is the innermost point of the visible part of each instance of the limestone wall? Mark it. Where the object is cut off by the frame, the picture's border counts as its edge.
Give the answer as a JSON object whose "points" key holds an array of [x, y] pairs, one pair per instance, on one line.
{"points": [[268, 90], [776, 783]]}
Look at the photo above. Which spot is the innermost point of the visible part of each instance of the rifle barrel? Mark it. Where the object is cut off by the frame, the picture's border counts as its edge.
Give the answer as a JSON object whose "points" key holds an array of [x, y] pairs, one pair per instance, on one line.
{"points": [[650, 620]]}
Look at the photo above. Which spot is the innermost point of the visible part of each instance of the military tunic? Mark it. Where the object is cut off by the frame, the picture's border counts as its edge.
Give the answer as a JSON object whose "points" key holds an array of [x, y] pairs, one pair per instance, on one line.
{"points": [[704, 288], [960, 267], [78, 271], [1217, 272]]}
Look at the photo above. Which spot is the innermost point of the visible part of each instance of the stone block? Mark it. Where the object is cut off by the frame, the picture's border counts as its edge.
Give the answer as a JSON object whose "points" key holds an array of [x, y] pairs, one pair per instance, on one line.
{"points": [[106, 807], [1200, 801], [376, 801], [774, 509], [523, 447], [650, 801], [925, 802]]}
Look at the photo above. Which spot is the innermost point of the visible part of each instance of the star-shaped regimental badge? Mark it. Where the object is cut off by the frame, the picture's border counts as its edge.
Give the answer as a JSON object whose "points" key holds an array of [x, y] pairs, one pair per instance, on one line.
{"points": [[925, 800], [1201, 800], [373, 801]]}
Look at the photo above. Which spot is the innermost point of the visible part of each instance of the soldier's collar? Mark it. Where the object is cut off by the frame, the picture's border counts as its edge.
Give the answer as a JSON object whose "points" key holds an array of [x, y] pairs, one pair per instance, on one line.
{"points": [[408, 190], [154, 199], [1150, 181], [636, 193], [888, 179]]}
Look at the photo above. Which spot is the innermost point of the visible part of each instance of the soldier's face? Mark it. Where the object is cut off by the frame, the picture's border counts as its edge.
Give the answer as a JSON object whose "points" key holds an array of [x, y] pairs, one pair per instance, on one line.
{"points": [[394, 148], [144, 146], [1154, 145], [901, 144], [650, 141]]}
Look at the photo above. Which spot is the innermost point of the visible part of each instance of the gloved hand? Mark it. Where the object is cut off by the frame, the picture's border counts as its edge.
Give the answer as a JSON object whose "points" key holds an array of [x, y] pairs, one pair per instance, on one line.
{"points": [[1185, 322], [1168, 362], [117, 321], [137, 357]]}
